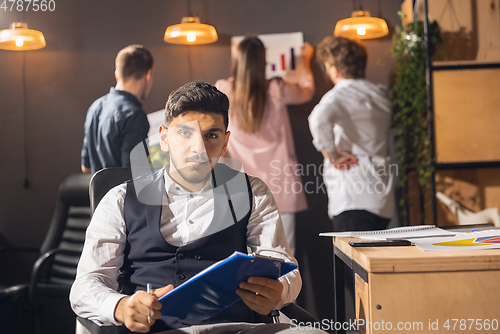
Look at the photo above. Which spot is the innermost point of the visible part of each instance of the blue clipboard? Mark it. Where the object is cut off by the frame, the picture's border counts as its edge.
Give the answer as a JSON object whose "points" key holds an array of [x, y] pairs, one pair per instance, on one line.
{"points": [[214, 288]]}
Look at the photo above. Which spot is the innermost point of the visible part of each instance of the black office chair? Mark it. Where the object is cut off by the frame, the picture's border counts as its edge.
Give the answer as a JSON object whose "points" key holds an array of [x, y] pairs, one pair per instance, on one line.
{"points": [[55, 269], [101, 183]]}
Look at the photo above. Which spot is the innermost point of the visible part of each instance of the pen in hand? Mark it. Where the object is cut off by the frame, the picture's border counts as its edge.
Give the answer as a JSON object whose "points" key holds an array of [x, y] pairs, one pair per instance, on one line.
{"points": [[149, 308]]}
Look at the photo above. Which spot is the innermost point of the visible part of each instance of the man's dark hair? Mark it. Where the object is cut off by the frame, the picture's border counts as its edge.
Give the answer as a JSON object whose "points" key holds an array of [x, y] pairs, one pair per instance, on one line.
{"points": [[196, 96], [134, 61], [348, 56]]}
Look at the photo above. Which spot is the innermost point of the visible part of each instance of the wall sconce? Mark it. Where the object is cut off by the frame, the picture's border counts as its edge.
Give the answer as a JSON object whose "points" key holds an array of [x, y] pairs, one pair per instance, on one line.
{"points": [[190, 31], [361, 26], [20, 38]]}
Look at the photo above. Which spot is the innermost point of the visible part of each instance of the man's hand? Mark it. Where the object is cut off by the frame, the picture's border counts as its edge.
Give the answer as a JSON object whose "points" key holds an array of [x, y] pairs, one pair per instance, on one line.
{"points": [[261, 294], [85, 170], [133, 310], [340, 161]]}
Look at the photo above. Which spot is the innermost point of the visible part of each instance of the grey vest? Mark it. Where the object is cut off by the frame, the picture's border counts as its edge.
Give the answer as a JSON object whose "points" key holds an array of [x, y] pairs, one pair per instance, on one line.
{"points": [[150, 259]]}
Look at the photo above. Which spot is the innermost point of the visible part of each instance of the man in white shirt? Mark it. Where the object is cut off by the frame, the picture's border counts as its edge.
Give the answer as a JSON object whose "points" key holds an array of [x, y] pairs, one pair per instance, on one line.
{"points": [[198, 223], [350, 126]]}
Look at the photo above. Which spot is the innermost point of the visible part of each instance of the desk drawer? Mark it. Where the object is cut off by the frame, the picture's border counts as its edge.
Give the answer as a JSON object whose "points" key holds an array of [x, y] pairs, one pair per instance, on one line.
{"points": [[435, 302]]}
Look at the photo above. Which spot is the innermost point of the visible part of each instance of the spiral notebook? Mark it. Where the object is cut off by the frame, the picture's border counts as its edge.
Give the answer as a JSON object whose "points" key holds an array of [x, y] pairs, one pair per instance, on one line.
{"points": [[397, 233]]}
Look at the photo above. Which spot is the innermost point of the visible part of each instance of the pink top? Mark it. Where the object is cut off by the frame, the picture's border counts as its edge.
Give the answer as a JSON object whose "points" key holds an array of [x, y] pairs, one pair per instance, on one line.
{"points": [[270, 153]]}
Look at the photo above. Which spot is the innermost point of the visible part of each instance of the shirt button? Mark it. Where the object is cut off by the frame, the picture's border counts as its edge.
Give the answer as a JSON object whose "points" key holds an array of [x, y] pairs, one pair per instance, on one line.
{"points": [[177, 188], [181, 277], [181, 256], [191, 195], [190, 221], [197, 257]]}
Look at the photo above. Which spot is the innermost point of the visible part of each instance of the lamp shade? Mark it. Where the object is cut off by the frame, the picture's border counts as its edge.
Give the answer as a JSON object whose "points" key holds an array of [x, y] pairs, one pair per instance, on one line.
{"points": [[20, 38], [361, 26], [190, 31]]}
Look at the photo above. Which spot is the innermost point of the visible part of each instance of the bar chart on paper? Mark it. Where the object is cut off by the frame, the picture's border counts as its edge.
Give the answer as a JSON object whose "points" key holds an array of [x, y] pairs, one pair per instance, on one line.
{"points": [[283, 55], [286, 61]]}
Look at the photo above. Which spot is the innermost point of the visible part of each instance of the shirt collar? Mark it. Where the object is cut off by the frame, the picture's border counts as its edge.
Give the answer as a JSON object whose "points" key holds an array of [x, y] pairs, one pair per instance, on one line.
{"points": [[172, 188], [347, 82], [129, 96]]}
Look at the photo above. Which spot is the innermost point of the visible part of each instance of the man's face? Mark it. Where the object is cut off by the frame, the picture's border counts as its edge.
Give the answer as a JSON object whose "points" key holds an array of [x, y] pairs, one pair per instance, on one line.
{"points": [[195, 141]]}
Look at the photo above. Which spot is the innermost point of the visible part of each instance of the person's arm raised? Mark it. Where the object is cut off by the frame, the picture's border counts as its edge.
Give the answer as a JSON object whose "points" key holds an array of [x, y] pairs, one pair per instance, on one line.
{"points": [[304, 90]]}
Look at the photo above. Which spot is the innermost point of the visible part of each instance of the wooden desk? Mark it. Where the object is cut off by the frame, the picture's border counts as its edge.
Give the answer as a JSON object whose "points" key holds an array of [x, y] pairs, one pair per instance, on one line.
{"points": [[411, 288]]}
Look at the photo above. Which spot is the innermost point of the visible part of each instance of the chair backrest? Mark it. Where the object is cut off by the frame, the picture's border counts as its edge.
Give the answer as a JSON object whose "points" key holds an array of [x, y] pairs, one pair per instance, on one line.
{"points": [[101, 182], [77, 198], [105, 179], [67, 229]]}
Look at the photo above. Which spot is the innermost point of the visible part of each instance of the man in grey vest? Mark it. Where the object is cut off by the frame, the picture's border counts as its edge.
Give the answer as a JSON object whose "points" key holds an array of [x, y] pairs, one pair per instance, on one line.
{"points": [[205, 213]]}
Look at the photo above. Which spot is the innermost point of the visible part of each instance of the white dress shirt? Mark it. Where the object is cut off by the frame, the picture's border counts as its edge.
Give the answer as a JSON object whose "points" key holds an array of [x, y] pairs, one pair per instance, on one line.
{"points": [[185, 216], [355, 117]]}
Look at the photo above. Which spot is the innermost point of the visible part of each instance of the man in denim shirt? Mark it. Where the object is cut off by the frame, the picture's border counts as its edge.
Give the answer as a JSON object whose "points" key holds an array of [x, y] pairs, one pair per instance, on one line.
{"points": [[116, 123]]}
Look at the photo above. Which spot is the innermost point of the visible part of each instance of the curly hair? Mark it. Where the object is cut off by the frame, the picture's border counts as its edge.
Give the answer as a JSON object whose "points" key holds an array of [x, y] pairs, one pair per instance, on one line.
{"points": [[348, 56]]}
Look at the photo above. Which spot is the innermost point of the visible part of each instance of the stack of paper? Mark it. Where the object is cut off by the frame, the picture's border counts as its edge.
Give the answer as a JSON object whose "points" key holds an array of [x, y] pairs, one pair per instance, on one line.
{"points": [[398, 233]]}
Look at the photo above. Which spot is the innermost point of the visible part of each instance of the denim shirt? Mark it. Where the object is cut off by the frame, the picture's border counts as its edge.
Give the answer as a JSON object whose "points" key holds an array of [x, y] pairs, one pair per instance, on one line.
{"points": [[115, 124]]}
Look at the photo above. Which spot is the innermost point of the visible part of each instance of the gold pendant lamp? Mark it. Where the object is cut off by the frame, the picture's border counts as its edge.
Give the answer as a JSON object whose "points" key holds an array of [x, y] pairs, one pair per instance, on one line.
{"points": [[361, 25], [190, 31], [20, 38]]}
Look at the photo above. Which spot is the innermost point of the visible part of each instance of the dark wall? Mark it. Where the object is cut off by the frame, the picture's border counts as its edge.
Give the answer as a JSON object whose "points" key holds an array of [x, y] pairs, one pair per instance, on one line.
{"points": [[42, 141]]}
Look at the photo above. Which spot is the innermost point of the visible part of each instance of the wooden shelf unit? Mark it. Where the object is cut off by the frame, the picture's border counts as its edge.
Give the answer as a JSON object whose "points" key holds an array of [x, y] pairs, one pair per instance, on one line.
{"points": [[464, 101]]}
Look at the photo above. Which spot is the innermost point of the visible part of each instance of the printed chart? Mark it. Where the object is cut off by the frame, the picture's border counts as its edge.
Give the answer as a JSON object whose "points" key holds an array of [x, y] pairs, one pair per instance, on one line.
{"points": [[283, 54]]}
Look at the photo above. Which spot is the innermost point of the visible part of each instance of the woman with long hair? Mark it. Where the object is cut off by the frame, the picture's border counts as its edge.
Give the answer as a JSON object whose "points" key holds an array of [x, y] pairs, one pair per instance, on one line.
{"points": [[261, 134]]}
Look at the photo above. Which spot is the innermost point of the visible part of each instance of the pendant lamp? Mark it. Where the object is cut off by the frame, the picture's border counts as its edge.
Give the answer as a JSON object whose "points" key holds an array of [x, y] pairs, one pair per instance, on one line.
{"points": [[190, 31], [361, 26], [20, 38]]}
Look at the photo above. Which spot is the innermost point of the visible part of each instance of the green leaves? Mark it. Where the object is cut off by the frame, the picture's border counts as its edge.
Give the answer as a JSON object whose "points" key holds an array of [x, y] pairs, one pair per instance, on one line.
{"points": [[411, 115]]}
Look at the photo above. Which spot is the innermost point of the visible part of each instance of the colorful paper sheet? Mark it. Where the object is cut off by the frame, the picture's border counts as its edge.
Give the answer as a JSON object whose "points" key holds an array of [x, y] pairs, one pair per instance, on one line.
{"points": [[489, 239]]}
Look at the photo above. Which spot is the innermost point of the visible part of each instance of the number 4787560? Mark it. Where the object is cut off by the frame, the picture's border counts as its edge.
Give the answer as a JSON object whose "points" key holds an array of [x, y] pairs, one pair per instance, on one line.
{"points": [[26, 5], [471, 324]]}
